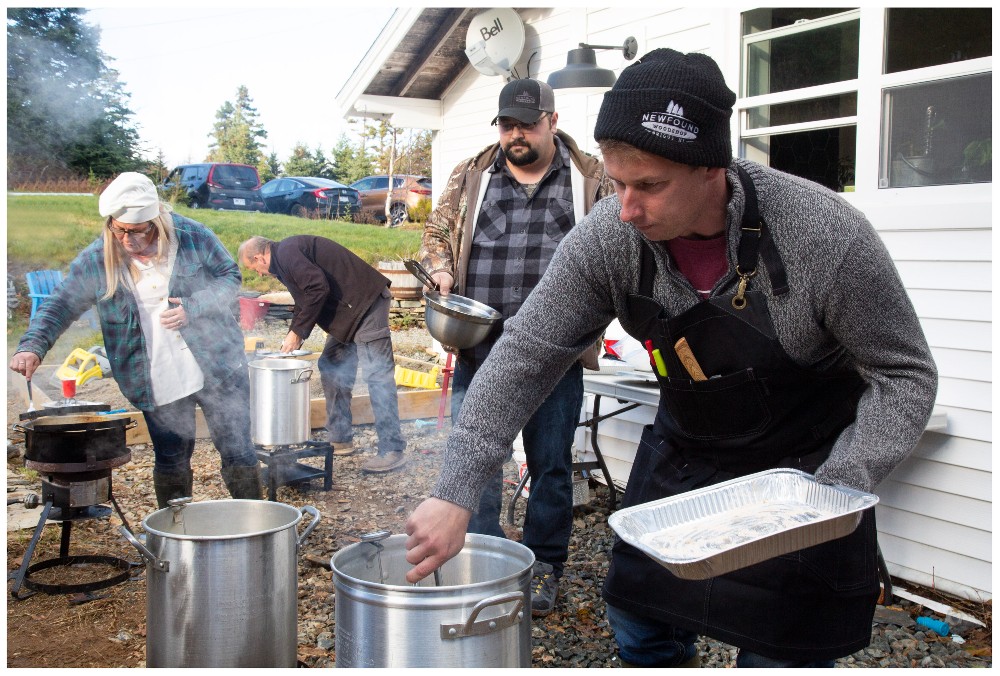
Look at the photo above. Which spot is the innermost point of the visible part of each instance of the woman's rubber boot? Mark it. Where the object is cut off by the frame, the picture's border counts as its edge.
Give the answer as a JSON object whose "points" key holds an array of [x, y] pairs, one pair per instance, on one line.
{"points": [[243, 481], [172, 485]]}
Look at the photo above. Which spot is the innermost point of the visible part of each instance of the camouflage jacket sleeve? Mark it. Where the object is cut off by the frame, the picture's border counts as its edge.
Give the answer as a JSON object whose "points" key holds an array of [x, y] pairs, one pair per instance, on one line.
{"points": [[442, 238]]}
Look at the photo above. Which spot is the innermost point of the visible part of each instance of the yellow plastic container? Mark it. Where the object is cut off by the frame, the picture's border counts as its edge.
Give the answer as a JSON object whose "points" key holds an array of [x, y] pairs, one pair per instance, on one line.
{"points": [[411, 378], [76, 367]]}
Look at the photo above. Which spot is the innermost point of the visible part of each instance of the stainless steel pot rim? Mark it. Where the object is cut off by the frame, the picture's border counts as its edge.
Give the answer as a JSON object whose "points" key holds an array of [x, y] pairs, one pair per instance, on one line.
{"points": [[227, 536], [461, 307], [283, 364], [410, 590]]}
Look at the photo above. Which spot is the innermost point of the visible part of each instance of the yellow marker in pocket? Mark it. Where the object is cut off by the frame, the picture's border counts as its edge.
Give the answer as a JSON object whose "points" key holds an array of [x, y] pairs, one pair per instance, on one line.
{"points": [[661, 366]]}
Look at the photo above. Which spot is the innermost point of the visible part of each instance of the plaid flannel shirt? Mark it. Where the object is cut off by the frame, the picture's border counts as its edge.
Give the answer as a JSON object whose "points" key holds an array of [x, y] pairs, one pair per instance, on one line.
{"points": [[515, 238], [204, 276]]}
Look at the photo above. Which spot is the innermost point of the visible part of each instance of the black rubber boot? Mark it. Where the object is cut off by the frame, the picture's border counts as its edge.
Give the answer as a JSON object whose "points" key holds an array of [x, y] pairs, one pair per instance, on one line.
{"points": [[170, 486], [243, 481]]}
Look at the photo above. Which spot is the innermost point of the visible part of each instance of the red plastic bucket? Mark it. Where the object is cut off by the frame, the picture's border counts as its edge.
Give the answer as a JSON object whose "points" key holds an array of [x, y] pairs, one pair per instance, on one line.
{"points": [[252, 310]]}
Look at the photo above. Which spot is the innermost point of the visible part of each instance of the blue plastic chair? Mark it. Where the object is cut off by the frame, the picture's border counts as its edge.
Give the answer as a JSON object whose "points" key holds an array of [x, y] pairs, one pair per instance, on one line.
{"points": [[42, 284]]}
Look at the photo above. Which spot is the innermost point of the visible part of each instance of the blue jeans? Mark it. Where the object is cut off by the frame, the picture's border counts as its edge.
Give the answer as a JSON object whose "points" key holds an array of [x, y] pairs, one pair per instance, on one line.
{"points": [[338, 368], [226, 407], [548, 447], [645, 642]]}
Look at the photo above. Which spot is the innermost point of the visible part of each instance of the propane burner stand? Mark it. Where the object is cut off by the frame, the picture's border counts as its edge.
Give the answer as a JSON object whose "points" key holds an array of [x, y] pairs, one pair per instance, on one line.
{"points": [[284, 469], [68, 497]]}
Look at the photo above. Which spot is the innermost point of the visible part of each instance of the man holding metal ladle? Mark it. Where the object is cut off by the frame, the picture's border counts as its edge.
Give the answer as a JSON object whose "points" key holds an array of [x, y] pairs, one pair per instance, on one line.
{"points": [[785, 339]]}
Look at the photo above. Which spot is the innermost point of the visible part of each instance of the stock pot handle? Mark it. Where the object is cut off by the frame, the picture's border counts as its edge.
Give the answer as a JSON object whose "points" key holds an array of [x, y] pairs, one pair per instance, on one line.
{"points": [[473, 628], [157, 564], [298, 376], [314, 513]]}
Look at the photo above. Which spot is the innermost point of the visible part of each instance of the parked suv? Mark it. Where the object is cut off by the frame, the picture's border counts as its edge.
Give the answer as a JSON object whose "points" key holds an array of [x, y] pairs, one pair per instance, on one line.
{"points": [[407, 191], [217, 185]]}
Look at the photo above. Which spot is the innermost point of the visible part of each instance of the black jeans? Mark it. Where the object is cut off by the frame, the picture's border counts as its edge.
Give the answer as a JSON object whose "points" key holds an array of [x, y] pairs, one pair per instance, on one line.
{"points": [[226, 406]]}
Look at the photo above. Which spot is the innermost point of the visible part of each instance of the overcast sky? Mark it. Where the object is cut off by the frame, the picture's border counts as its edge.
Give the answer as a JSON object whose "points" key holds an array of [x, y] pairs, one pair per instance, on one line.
{"points": [[180, 64]]}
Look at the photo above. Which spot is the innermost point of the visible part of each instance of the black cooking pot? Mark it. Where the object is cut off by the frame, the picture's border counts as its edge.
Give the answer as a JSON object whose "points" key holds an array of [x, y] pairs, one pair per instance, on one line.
{"points": [[75, 439]]}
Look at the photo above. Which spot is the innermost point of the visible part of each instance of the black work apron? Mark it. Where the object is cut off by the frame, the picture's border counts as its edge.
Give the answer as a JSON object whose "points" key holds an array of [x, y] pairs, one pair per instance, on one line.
{"points": [[757, 410]]}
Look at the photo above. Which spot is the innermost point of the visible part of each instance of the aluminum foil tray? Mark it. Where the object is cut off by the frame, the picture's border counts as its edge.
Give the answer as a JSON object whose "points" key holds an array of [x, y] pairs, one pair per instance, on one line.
{"points": [[731, 525]]}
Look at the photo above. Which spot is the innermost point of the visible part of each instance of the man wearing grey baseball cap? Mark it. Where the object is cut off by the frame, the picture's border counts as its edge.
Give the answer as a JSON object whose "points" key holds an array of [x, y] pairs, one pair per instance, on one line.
{"points": [[490, 238], [786, 340]]}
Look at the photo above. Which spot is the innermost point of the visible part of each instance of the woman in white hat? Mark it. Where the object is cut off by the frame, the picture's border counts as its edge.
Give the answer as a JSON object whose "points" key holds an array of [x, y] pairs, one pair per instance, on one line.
{"points": [[164, 287]]}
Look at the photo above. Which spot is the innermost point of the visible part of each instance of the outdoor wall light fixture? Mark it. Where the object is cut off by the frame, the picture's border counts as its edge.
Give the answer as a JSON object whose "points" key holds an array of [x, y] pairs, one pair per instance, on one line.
{"points": [[581, 67]]}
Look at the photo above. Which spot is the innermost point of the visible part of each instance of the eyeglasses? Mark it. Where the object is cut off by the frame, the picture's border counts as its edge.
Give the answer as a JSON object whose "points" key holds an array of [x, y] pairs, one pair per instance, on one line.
{"points": [[138, 232], [507, 125]]}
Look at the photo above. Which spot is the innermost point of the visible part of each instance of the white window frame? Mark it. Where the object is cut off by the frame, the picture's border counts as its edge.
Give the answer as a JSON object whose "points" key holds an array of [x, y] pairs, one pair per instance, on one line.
{"points": [[869, 85], [745, 104]]}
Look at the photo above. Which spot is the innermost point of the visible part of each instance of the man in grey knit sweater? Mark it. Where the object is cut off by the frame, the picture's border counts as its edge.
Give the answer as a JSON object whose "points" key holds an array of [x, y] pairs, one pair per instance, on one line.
{"points": [[811, 357]]}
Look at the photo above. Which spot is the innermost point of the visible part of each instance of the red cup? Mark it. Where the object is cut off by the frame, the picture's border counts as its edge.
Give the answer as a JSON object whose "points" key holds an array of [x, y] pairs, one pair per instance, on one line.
{"points": [[69, 388]]}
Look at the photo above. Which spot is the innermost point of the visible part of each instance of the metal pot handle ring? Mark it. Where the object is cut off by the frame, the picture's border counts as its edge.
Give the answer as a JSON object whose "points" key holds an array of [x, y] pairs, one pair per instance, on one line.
{"points": [[473, 628], [314, 513], [157, 564], [298, 376]]}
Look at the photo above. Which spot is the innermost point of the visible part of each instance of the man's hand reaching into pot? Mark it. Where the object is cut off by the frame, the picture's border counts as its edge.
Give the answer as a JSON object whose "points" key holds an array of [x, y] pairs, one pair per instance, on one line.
{"points": [[437, 532]]}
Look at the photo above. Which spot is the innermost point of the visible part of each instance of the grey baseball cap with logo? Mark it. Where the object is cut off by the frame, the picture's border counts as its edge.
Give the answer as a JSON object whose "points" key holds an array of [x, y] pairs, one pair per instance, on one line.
{"points": [[526, 100]]}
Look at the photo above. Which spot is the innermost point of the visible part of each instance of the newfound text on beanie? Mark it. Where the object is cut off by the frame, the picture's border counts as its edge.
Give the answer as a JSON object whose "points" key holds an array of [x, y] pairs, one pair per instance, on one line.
{"points": [[674, 105]]}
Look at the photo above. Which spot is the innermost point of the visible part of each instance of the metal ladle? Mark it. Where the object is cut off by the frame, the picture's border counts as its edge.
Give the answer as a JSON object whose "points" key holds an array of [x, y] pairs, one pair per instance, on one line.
{"points": [[375, 540], [420, 272]]}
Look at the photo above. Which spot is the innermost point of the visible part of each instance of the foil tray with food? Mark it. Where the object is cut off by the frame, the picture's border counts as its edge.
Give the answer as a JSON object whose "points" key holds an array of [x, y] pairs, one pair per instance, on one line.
{"points": [[734, 524]]}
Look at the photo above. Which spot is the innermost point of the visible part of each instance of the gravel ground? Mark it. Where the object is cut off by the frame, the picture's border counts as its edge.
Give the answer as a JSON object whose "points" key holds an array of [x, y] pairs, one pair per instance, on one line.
{"points": [[575, 635]]}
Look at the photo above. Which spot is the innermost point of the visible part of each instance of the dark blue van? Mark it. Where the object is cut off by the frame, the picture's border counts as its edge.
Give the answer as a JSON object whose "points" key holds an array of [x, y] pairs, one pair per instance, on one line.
{"points": [[217, 185]]}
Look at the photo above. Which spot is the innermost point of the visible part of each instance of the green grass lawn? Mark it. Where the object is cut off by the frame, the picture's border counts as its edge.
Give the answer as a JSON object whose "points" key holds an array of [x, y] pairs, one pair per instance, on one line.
{"points": [[48, 231]]}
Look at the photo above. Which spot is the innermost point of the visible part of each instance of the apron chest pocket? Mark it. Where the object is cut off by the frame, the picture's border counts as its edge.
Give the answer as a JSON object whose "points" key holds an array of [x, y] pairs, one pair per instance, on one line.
{"points": [[724, 407]]}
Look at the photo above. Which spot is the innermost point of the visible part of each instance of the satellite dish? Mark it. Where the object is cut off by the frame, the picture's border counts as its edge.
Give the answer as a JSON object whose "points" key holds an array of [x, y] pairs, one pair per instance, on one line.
{"points": [[495, 41]]}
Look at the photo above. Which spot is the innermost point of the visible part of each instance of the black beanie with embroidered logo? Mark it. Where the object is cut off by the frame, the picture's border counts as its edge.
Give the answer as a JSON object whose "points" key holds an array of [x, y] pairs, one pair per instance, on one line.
{"points": [[673, 105]]}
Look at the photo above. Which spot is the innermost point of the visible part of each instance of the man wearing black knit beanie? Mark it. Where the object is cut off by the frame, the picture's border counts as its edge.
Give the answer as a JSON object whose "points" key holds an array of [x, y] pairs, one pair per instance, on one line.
{"points": [[780, 336]]}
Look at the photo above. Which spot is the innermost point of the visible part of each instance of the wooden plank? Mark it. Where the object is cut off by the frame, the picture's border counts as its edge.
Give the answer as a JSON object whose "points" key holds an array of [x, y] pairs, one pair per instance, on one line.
{"points": [[412, 405]]}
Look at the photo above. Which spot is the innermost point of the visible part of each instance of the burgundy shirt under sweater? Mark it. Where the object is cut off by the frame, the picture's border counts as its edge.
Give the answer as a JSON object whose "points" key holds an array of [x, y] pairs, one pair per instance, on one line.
{"points": [[702, 261]]}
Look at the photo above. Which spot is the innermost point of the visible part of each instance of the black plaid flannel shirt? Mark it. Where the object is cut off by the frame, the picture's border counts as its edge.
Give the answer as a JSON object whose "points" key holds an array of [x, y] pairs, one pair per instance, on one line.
{"points": [[515, 238]]}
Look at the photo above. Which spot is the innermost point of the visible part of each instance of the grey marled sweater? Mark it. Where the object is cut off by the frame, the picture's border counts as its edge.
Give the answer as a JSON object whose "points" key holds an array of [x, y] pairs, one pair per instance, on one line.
{"points": [[847, 309]]}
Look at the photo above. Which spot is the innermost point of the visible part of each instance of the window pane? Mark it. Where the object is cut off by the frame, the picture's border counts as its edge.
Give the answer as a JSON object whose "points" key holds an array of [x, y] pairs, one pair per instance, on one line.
{"points": [[809, 110], [917, 38], [826, 156], [806, 59], [938, 133], [768, 18]]}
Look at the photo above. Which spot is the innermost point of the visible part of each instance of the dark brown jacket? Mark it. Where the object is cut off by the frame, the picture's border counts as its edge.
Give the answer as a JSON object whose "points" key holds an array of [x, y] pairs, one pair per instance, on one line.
{"points": [[331, 286]]}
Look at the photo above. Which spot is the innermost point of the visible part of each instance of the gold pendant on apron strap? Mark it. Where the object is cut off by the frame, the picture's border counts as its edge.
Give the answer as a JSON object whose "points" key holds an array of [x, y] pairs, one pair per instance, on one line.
{"points": [[739, 300]]}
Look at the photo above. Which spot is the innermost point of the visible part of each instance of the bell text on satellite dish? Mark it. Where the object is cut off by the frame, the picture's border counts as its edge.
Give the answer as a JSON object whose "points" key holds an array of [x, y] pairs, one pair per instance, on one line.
{"points": [[494, 41]]}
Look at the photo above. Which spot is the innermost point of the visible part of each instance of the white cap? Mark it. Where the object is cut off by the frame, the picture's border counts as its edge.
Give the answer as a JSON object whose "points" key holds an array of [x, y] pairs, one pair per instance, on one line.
{"points": [[130, 198]]}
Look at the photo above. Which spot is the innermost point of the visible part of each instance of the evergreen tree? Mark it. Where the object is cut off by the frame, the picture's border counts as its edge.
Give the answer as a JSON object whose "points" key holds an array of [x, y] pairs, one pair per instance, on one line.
{"points": [[269, 168], [350, 162], [65, 107], [237, 132], [300, 162]]}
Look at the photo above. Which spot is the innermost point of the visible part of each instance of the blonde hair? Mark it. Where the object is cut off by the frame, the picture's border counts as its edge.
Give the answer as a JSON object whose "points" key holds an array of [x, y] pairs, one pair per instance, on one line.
{"points": [[116, 259]]}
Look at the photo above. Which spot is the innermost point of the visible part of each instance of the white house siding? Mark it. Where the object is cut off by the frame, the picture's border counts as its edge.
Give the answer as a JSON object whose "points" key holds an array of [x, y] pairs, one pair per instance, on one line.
{"points": [[935, 511]]}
